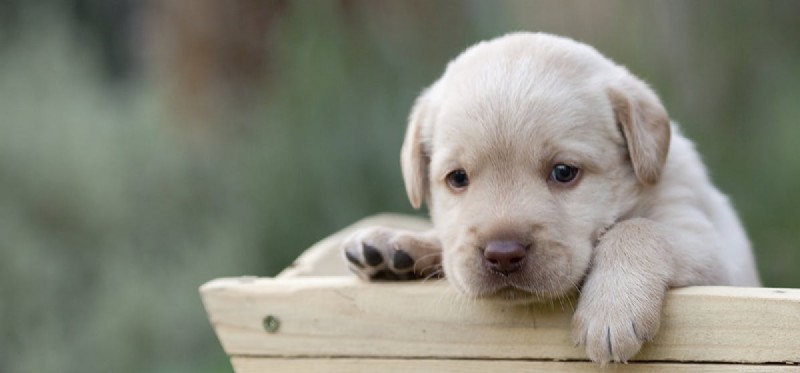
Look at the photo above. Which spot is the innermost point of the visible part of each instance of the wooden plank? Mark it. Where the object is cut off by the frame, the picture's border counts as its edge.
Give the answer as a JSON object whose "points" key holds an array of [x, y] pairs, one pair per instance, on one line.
{"points": [[344, 317], [349, 365], [325, 258]]}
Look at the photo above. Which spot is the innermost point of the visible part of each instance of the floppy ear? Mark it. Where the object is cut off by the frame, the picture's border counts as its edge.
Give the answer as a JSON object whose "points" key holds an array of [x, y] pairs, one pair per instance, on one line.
{"points": [[645, 124], [413, 158]]}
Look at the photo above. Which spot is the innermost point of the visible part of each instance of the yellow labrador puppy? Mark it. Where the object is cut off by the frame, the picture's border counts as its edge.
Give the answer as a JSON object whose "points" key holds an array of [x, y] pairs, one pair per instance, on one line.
{"points": [[547, 168]]}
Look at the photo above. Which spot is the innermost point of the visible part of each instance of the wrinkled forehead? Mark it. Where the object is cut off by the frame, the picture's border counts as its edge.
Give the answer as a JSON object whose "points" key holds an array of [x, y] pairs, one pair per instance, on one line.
{"points": [[503, 124]]}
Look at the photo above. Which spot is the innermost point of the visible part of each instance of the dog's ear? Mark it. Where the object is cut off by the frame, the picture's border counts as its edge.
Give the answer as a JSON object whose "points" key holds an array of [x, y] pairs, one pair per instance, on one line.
{"points": [[413, 157], [645, 124]]}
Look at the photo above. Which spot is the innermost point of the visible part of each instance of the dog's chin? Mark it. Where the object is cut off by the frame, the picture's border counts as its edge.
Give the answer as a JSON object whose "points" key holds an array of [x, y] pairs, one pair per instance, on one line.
{"points": [[513, 294], [516, 289]]}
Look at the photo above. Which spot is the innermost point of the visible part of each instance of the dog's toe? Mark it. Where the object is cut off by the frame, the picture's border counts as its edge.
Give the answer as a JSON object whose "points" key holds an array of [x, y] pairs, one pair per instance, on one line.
{"points": [[382, 255], [614, 330]]}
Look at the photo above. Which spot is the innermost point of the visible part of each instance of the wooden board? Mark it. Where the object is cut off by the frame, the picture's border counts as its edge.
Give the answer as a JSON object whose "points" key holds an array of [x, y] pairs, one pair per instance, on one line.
{"points": [[350, 365], [328, 321], [343, 317]]}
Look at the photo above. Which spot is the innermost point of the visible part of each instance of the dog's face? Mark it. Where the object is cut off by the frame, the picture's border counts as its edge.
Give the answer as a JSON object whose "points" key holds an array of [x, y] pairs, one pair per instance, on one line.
{"points": [[526, 150]]}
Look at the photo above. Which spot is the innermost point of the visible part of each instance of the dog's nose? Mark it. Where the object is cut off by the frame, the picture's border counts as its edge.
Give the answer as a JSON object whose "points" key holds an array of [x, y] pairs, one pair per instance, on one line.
{"points": [[505, 256]]}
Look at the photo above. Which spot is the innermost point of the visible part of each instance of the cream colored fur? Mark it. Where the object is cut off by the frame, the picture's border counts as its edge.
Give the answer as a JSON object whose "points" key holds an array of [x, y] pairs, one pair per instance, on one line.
{"points": [[641, 217]]}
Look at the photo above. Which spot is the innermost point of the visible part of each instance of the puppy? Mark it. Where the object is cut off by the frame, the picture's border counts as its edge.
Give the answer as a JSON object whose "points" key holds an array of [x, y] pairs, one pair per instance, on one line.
{"points": [[547, 168]]}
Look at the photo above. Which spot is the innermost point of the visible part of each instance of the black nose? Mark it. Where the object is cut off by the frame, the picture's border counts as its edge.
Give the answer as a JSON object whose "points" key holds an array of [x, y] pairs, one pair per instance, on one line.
{"points": [[505, 256]]}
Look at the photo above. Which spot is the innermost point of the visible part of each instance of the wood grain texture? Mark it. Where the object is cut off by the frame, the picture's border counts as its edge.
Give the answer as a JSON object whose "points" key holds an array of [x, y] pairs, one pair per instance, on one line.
{"points": [[331, 322], [343, 317], [349, 365]]}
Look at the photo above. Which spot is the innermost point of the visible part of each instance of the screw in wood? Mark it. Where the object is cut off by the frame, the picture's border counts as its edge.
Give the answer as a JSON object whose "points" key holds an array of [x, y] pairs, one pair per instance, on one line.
{"points": [[271, 324]]}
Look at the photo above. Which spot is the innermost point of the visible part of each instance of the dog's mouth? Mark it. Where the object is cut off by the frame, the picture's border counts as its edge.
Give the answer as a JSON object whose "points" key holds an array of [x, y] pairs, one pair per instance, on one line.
{"points": [[551, 272]]}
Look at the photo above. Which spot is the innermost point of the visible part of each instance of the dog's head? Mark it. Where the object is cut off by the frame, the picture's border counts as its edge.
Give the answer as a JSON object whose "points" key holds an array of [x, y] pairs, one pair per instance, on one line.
{"points": [[526, 150]]}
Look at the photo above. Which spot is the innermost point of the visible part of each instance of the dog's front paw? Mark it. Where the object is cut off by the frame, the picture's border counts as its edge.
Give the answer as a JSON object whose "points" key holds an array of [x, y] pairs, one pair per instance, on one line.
{"points": [[613, 328], [386, 254]]}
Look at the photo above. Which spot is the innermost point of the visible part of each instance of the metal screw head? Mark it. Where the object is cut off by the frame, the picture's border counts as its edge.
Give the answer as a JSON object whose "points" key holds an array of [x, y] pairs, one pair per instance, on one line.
{"points": [[271, 324]]}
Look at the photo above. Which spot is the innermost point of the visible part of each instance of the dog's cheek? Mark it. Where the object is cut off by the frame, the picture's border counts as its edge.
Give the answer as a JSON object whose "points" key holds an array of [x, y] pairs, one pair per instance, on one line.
{"points": [[460, 272], [603, 200], [581, 261], [561, 268], [443, 205]]}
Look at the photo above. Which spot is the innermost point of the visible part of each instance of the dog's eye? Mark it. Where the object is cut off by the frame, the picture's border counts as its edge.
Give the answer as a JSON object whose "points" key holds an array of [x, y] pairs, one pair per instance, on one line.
{"points": [[563, 173], [458, 180]]}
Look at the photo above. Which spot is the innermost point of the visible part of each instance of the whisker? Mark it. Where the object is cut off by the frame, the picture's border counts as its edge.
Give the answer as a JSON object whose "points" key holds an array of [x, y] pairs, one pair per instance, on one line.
{"points": [[433, 275], [423, 257]]}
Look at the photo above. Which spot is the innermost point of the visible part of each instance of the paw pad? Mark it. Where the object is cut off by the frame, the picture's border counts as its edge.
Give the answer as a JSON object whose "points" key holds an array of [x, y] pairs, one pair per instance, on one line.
{"points": [[377, 253], [402, 260], [372, 256], [380, 263]]}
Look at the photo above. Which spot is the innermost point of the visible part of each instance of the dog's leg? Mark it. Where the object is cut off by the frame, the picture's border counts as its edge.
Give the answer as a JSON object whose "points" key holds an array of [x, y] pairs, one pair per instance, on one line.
{"points": [[378, 253], [621, 300]]}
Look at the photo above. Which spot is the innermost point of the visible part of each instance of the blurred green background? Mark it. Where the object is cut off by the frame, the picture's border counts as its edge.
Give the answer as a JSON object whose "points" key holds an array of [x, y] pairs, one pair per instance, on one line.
{"points": [[149, 146]]}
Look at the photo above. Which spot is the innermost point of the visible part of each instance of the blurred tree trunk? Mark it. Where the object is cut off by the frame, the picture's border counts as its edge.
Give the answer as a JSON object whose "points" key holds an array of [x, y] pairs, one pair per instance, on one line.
{"points": [[212, 55]]}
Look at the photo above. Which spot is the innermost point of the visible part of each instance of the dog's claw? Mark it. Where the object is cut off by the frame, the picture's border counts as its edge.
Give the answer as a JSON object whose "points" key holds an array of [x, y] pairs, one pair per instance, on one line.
{"points": [[352, 259]]}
